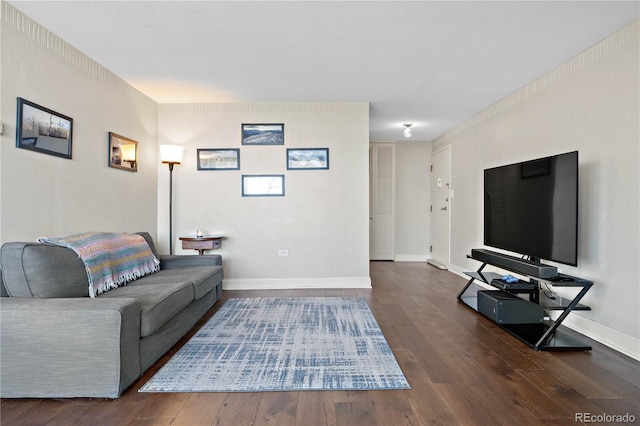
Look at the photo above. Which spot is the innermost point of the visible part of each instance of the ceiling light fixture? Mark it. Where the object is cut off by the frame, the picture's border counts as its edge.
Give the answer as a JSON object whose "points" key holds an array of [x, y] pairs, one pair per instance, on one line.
{"points": [[407, 130]]}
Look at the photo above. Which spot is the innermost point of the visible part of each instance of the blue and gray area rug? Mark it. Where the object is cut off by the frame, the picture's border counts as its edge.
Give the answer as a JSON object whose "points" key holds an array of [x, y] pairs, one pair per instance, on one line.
{"points": [[284, 344]]}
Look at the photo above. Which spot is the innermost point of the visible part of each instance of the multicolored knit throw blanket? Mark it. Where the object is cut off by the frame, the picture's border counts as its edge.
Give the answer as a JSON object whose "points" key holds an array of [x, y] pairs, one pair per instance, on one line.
{"points": [[111, 260]]}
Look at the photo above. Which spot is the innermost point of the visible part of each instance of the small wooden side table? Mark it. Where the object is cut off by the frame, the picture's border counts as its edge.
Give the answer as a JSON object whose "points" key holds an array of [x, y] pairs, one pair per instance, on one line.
{"points": [[207, 242]]}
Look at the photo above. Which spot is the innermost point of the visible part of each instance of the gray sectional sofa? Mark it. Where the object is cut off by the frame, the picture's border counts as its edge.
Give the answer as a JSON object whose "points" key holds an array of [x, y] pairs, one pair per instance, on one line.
{"points": [[56, 341]]}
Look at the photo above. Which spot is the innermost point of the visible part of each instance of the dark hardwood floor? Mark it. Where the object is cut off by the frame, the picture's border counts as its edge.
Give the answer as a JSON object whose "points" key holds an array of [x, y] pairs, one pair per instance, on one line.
{"points": [[463, 370]]}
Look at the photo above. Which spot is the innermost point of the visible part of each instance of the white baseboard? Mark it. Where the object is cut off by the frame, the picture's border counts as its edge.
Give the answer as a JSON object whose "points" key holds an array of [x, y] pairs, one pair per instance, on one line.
{"points": [[621, 342], [295, 283], [437, 264], [411, 257]]}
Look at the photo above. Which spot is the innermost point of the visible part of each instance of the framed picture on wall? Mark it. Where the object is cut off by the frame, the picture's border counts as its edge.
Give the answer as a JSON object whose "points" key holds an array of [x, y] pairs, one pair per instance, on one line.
{"points": [[263, 185], [263, 134], [219, 159], [43, 130], [123, 153], [307, 158]]}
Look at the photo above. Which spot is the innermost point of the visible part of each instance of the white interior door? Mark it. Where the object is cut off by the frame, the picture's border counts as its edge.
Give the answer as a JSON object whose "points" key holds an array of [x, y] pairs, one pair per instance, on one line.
{"points": [[382, 201], [440, 207]]}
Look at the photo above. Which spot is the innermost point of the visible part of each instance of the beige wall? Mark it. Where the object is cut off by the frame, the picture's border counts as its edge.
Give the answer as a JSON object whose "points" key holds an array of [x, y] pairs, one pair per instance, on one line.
{"points": [[322, 219], [413, 198], [44, 195], [589, 104]]}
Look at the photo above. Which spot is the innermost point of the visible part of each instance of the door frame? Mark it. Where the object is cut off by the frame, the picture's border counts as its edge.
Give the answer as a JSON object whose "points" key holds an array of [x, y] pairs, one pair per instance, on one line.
{"points": [[441, 263]]}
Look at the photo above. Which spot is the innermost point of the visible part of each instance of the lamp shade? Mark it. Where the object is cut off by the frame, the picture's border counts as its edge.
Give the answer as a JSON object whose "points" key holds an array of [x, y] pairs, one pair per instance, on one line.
{"points": [[171, 154]]}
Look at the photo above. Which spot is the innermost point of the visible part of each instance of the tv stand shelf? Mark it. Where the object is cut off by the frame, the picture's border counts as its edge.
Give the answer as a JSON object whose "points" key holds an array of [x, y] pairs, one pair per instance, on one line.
{"points": [[545, 336]]}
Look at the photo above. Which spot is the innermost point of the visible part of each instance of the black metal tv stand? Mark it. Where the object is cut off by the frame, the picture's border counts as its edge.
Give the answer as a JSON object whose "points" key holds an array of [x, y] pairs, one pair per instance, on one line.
{"points": [[545, 336]]}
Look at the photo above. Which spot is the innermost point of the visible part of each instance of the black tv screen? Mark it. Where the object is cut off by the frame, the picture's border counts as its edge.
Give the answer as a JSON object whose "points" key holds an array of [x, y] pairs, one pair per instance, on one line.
{"points": [[531, 208]]}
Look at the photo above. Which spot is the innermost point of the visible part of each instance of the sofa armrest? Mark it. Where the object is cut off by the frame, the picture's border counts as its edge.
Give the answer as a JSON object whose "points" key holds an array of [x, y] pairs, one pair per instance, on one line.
{"points": [[185, 261], [68, 347]]}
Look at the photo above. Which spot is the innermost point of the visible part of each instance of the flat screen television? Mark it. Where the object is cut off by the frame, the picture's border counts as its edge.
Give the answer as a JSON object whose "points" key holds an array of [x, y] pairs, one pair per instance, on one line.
{"points": [[531, 208]]}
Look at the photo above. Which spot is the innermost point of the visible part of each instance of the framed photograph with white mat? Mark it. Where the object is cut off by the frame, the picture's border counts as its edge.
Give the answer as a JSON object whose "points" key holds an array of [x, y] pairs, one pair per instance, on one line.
{"points": [[43, 130], [219, 159], [308, 159], [263, 185], [263, 134]]}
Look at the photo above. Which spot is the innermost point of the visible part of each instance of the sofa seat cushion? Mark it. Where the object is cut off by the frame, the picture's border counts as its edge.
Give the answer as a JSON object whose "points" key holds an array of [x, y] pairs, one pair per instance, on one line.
{"points": [[203, 278], [159, 302]]}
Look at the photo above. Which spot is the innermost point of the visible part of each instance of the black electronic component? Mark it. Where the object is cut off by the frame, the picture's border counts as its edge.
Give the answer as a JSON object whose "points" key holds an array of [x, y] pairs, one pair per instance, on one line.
{"points": [[515, 264], [505, 308]]}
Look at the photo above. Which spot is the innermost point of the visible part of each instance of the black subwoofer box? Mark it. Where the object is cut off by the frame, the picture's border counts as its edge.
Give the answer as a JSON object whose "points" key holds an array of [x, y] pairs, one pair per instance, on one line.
{"points": [[506, 308]]}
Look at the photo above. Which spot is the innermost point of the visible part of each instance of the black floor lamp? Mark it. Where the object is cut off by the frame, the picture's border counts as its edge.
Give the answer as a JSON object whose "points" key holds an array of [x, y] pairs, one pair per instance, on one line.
{"points": [[171, 155]]}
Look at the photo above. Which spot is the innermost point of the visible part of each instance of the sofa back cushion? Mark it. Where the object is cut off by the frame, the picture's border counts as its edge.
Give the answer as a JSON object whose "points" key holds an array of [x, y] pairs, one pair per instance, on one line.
{"points": [[42, 270], [149, 240]]}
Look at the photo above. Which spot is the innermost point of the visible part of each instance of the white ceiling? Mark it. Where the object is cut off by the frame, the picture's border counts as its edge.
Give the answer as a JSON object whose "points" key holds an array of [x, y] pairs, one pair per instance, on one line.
{"points": [[433, 63]]}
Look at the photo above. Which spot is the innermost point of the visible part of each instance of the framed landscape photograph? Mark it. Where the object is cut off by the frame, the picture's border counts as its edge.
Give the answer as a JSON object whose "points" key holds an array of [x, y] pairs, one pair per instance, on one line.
{"points": [[263, 134], [219, 159], [263, 185], [43, 130], [123, 153], [307, 158]]}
